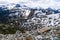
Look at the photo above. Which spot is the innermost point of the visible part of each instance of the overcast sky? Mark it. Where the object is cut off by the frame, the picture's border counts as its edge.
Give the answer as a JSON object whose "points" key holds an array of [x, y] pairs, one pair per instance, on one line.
{"points": [[36, 3]]}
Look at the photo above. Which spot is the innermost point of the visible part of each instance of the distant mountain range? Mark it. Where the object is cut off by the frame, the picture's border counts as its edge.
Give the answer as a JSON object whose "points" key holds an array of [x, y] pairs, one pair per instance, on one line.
{"points": [[4, 11], [54, 10]]}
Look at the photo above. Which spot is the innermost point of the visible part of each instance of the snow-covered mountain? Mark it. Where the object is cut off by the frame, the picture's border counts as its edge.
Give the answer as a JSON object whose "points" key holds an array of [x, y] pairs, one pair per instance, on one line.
{"points": [[7, 5]]}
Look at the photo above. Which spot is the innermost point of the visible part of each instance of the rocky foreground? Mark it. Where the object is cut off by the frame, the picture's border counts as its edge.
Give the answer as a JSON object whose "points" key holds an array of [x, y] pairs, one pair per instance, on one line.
{"points": [[45, 33]]}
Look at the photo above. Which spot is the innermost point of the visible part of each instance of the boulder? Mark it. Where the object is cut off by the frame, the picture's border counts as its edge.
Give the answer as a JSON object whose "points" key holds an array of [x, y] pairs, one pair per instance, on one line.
{"points": [[45, 29]]}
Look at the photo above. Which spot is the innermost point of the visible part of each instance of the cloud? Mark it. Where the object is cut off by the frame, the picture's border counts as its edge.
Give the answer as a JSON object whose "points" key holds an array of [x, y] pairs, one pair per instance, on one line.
{"points": [[36, 3]]}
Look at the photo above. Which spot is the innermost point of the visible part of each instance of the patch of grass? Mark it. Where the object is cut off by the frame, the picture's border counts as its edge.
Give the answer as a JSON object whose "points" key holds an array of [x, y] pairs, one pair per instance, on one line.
{"points": [[7, 29]]}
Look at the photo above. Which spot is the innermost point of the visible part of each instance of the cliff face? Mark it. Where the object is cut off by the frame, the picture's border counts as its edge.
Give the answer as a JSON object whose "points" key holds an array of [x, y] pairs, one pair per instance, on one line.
{"points": [[3, 15]]}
